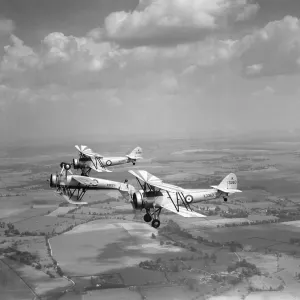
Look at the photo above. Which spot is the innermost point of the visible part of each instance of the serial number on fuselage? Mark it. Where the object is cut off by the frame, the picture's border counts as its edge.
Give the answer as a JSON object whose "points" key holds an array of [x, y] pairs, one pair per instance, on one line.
{"points": [[110, 185], [209, 195]]}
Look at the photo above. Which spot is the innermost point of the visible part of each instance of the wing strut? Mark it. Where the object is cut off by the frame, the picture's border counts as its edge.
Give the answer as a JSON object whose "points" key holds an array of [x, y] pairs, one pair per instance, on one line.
{"points": [[96, 161], [68, 193], [179, 196]]}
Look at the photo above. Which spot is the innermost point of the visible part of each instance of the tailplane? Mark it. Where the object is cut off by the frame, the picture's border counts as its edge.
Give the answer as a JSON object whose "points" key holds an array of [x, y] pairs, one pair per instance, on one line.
{"points": [[136, 153], [228, 184]]}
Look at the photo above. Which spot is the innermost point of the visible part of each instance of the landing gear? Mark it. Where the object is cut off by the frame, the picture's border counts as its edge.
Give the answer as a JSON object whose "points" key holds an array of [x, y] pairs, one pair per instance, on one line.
{"points": [[155, 223], [153, 215], [147, 218], [225, 199], [133, 163]]}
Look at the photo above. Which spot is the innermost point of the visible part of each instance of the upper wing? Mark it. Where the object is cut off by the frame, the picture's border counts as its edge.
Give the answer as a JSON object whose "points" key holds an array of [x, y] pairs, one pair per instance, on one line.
{"points": [[145, 176], [87, 181], [182, 211], [156, 182], [87, 151]]}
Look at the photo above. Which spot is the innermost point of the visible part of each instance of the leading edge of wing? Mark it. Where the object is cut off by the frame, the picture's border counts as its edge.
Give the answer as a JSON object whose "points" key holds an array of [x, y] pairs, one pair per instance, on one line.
{"points": [[182, 211], [156, 182], [145, 176], [83, 180]]}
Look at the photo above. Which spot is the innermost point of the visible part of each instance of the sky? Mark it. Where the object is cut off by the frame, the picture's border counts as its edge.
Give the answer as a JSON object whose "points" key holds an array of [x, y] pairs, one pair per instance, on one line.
{"points": [[106, 68]]}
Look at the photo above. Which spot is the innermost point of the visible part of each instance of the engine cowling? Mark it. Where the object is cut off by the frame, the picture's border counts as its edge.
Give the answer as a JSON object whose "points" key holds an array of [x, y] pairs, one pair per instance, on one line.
{"points": [[53, 180], [77, 164], [137, 199]]}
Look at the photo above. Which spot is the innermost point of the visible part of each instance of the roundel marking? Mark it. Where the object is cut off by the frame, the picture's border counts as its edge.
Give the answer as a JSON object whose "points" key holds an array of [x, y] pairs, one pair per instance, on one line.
{"points": [[95, 181], [189, 198], [108, 162]]}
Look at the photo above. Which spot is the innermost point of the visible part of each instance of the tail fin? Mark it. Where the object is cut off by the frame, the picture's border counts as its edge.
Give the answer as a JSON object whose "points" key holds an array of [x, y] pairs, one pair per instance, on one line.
{"points": [[136, 153], [228, 184]]}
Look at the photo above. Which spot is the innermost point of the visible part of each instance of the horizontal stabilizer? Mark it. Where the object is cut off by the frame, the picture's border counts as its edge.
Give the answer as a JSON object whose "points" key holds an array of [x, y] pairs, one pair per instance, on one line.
{"points": [[228, 184], [135, 154], [134, 157], [224, 190]]}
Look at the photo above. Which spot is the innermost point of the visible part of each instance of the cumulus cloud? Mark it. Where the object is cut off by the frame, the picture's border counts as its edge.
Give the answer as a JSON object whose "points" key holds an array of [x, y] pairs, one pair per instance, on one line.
{"points": [[63, 60], [169, 22], [18, 56], [272, 50], [6, 29]]}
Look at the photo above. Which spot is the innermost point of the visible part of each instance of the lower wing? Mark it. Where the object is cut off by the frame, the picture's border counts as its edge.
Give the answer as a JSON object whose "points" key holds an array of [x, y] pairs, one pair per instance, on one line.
{"points": [[182, 211], [99, 169], [68, 199]]}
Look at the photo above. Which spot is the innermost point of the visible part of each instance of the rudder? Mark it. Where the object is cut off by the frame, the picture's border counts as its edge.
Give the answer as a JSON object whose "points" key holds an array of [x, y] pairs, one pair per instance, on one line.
{"points": [[229, 182], [136, 153]]}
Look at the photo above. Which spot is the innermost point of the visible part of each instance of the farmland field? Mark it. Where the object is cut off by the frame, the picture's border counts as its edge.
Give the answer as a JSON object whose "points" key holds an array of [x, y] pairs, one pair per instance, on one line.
{"points": [[106, 238], [102, 247]]}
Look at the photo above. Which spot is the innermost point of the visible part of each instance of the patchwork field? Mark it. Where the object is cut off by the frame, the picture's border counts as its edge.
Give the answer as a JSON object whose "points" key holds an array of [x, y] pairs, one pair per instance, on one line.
{"points": [[12, 286], [102, 247], [106, 240]]}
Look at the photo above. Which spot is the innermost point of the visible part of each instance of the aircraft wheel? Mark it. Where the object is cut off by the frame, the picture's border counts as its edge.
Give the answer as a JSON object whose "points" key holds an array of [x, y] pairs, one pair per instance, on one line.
{"points": [[133, 164], [147, 218], [225, 199], [155, 223]]}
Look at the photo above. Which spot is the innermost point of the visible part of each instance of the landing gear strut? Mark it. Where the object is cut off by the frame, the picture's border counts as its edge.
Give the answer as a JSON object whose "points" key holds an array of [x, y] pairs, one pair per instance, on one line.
{"points": [[153, 216]]}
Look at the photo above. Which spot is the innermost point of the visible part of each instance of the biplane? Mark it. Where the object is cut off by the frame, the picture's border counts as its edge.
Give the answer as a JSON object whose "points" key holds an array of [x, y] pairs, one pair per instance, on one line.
{"points": [[89, 160], [156, 195], [72, 187]]}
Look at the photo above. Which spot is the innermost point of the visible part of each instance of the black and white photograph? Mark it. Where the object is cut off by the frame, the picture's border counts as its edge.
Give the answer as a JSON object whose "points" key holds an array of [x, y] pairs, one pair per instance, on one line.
{"points": [[149, 150]]}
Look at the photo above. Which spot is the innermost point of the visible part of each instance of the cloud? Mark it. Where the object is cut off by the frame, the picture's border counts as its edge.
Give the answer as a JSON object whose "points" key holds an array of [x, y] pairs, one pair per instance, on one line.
{"points": [[171, 22], [69, 68], [61, 60], [6, 29], [272, 50], [267, 90]]}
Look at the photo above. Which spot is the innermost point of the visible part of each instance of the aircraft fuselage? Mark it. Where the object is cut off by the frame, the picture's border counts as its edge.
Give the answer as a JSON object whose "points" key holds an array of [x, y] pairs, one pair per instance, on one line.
{"points": [[97, 183], [200, 195], [114, 161], [156, 199]]}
